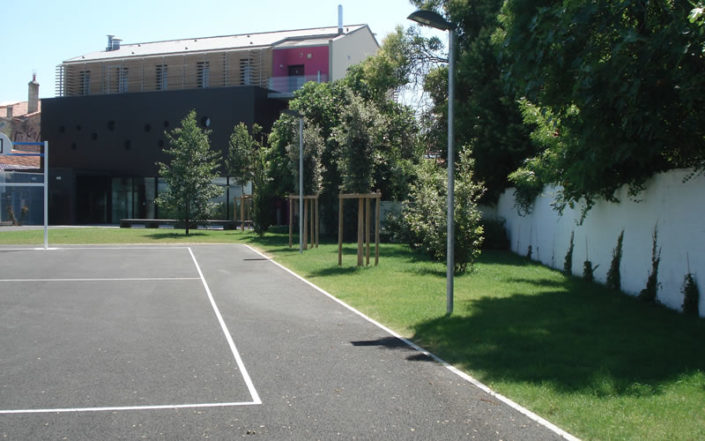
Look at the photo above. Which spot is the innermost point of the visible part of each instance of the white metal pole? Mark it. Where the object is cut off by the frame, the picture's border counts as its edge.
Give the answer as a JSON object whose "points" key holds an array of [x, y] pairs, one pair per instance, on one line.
{"points": [[46, 195], [301, 185], [451, 227]]}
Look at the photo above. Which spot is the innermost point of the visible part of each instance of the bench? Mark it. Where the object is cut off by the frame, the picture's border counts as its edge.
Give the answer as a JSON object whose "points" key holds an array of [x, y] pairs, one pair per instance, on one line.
{"points": [[157, 223]]}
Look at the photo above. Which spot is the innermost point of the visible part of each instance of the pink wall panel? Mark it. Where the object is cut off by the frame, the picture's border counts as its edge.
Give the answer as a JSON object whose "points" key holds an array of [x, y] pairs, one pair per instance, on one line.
{"points": [[314, 59]]}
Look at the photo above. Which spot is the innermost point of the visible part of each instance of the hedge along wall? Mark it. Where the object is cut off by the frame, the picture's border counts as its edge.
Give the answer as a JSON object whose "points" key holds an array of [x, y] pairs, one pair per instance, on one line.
{"points": [[675, 207]]}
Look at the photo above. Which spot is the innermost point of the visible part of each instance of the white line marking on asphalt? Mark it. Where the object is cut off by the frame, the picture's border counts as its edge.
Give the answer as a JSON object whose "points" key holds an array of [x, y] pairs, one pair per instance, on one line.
{"points": [[248, 381], [127, 279], [439, 360], [124, 408], [98, 247], [253, 392]]}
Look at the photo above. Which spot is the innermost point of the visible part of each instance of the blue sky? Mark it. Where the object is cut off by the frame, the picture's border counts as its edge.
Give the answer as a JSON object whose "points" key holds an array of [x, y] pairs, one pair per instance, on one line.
{"points": [[37, 35]]}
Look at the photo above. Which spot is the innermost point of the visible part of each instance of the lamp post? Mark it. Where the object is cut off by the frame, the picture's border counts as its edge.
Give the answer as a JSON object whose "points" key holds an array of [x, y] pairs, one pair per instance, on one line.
{"points": [[434, 20], [301, 175]]}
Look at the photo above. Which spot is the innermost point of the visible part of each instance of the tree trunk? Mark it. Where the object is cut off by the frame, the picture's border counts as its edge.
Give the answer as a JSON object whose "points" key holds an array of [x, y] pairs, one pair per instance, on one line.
{"points": [[187, 215]]}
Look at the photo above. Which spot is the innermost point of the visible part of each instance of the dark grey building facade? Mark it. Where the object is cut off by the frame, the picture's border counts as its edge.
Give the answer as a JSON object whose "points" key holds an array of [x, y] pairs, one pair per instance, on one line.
{"points": [[104, 148]]}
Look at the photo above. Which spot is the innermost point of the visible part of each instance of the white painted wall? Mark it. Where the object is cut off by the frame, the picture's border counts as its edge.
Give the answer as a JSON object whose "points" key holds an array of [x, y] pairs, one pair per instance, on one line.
{"points": [[349, 49], [677, 208]]}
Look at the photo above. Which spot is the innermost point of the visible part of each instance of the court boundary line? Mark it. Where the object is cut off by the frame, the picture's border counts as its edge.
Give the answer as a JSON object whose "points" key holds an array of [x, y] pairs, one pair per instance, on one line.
{"points": [[514, 405], [228, 337], [126, 279], [127, 408], [238, 359]]}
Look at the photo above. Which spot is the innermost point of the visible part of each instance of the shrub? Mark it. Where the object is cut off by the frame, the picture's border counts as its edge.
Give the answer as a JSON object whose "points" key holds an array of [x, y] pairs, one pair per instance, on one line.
{"points": [[614, 278], [589, 271], [424, 214], [691, 296], [568, 261], [649, 293]]}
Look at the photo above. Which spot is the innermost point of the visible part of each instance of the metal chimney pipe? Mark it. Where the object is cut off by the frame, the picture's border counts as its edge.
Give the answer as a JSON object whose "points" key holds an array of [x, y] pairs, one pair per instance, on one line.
{"points": [[110, 43], [340, 19]]}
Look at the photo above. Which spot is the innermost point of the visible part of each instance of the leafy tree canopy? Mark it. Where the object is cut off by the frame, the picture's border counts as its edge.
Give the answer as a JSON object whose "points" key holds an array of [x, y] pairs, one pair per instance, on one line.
{"points": [[190, 172], [614, 86], [242, 148], [487, 119]]}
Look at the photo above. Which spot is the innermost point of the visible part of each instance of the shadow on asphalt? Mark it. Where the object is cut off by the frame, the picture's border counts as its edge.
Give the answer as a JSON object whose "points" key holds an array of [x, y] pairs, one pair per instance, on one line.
{"points": [[395, 344]]}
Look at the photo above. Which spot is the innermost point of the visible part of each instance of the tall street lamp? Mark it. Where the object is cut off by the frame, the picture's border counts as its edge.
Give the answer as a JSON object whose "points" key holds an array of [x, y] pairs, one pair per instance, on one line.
{"points": [[301, 175], [434, 20]]}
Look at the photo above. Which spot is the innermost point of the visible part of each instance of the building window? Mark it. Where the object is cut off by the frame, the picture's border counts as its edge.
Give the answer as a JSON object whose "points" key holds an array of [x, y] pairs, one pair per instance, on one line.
{"points": [[162, 76], [85, 78], [121, 80], [245, 71], [203, 73]]}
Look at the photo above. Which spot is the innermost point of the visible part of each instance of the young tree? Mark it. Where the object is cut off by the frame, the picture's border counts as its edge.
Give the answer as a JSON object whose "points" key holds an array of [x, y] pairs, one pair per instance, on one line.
{"points": [[358, 137], [261, 195], [284, 154], [190, 173], [247, 160], [424, 214], [240, 160]]}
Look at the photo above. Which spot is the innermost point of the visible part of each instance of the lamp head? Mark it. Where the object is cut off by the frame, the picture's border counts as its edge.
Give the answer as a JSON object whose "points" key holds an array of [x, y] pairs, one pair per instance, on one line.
{"points": [[430, 18]]}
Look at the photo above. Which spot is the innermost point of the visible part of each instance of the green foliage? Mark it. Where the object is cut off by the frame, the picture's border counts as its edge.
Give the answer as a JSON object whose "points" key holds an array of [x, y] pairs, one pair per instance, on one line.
{"points": [[424, 215], [284, 148], [190, 172], [697, 14], [358, 139], [262, 196], [248, 160], [388, 70], [614, 278], [649, 294], [368, 140], [619, 81], [691, 295], [240, 160], [486, 116], [282, 135], [568, 261]]}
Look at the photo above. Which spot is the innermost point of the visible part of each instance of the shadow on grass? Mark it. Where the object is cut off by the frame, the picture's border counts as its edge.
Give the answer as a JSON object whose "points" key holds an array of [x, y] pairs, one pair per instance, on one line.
{"points": [[175, 235], [541, 283], [573, 339], [334, 271], [503, 258]]}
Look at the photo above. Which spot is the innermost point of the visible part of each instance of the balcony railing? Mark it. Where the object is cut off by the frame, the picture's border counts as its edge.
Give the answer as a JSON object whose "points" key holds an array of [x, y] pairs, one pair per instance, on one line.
{"points": [[285, 86]]}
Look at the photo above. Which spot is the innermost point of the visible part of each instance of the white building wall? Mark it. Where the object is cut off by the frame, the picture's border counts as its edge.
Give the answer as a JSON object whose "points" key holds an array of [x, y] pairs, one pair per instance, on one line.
{"points": [[675, 207], [349, 49]]}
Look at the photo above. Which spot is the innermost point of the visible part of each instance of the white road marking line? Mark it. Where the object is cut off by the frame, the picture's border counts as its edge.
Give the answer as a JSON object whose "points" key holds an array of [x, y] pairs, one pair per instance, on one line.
{"points": [[248, 381], [531, 415], [125, 408], [126, 279]]}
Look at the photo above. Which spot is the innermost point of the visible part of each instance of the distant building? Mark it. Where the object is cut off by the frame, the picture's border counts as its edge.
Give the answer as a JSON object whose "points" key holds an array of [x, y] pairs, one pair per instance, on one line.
{"points": [[106, 126], [21, 122]]}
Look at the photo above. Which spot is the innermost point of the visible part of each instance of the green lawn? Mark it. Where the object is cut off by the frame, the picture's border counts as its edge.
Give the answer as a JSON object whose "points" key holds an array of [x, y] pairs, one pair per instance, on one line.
{"points": [[599, 364]]}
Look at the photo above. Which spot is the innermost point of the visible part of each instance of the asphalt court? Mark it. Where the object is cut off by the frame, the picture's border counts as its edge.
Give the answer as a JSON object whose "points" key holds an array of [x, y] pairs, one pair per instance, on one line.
{"points": [[92, 329], [215, 342]]}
